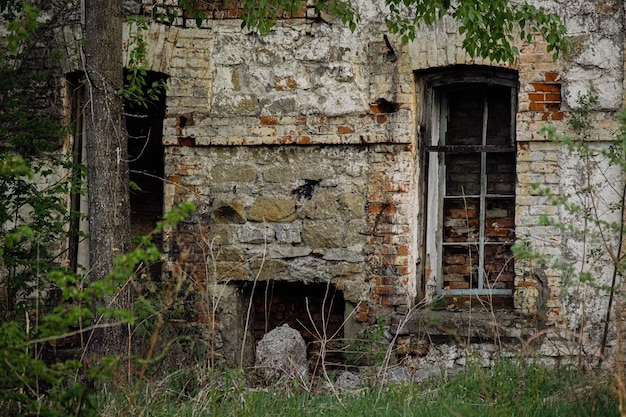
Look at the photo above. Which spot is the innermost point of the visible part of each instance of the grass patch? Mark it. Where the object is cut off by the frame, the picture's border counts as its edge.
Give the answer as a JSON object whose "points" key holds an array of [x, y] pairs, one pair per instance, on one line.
{"points": [[507, 389]]}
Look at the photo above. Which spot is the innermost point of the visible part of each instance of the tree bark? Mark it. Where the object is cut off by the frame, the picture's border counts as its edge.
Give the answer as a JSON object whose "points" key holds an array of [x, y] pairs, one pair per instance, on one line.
{"points": [[107, 153]]}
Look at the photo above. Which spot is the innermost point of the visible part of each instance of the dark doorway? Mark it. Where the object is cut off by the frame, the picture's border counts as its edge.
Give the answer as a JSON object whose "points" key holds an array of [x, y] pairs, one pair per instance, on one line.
{"points": [[144, 124]]}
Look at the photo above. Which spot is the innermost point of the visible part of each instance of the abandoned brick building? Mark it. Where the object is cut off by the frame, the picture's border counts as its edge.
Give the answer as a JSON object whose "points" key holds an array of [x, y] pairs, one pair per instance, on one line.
{"points": [[344, 179]]}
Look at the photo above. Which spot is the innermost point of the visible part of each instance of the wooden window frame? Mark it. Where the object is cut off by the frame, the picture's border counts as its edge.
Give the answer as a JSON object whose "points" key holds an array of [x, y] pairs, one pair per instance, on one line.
{"points": [[436, 87]]}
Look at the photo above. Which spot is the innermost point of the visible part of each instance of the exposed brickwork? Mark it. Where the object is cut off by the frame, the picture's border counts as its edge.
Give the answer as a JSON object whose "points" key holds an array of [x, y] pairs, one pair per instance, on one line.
{"points": [[288, 130], [540, 98], [317, 311], [317, 129], [216, 9], [390, 232]]}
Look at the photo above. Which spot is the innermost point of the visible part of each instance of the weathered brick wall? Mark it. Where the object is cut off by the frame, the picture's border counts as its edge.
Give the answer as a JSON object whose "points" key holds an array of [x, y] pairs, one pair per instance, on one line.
{"points": [[301, 150], [548, 92]]}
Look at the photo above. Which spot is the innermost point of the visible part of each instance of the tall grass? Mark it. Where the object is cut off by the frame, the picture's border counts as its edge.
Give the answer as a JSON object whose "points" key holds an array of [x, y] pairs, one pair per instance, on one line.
{"points": [[509, 388]]}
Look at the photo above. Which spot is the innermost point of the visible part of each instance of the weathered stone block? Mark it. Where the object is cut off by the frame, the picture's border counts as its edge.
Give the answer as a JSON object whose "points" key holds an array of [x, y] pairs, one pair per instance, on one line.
{"points": [[279, 174], [240, 104], [354, 203], [268, 269], [253, 234], [309, 269], [323, 205], [322, 234], [347, 270], [272, 209], [288, 233], [225, 212], [355, 232], [233, 172], [289, 251], [227, 254], [341, 254], [227, 271]]}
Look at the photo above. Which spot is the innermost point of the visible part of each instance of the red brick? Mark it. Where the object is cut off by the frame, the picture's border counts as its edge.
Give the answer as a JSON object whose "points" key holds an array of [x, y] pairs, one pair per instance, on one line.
{"points": [[456, 269], [385, 301], [362, 317], [462, 213], [229, 5], [186, 141], [268, 121], [375, 109], [376, 207], [506, 277], [557, 115], [496, 232], [502, 222], [548, 88], [304, 140], [536, 96], [554, 106], [554, 97], [403, 270], [344, 129], [384, 290], [551, 76], [534, 106]]}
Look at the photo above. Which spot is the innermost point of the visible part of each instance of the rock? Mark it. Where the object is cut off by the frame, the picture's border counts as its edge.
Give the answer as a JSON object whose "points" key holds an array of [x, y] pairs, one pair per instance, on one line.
{"points": [[281, 356], [283, 251], [252, 234], [397, 375], [233, 173], [268, 209], [347, 381], [229, 212], [322, 206], [322, 234], [288, 232], [344, 254], [131, 7], [428, 374]]}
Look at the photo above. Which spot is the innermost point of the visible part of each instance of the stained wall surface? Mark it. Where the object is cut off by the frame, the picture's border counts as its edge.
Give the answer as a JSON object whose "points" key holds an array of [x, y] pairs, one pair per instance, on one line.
{"points": [[304, 153]]}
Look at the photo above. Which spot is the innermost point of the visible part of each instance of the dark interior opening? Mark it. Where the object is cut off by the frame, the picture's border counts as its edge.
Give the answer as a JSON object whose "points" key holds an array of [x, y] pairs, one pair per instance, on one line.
{"points": [[144, 125], [76, 92], [315, 310]]}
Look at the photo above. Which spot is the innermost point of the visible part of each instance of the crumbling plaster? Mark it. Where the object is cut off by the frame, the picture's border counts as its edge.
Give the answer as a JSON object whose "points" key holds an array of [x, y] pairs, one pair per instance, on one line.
{"points": [[251, 120]]}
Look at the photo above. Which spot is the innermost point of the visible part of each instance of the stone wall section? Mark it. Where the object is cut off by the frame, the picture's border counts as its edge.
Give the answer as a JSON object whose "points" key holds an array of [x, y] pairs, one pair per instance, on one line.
{"points": [[312, 211], [300, 148]]}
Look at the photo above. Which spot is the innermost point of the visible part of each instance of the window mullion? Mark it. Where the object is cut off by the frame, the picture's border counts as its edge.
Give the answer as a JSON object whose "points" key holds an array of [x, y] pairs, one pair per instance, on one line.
{"points": [[483, 191], [444, 113]]}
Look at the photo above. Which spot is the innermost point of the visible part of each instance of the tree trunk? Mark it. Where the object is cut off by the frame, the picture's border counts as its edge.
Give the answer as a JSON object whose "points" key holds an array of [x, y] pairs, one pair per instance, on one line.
{"points": [[107, 167]]}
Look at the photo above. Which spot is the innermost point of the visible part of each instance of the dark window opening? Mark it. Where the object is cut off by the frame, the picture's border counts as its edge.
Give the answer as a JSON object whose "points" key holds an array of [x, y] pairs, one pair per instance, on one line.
{"points": [[144, 125], [78, 246]]}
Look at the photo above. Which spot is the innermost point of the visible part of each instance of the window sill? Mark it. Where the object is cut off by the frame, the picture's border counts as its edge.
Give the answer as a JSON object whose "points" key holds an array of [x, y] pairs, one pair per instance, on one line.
{"points": [[478, 325]]}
